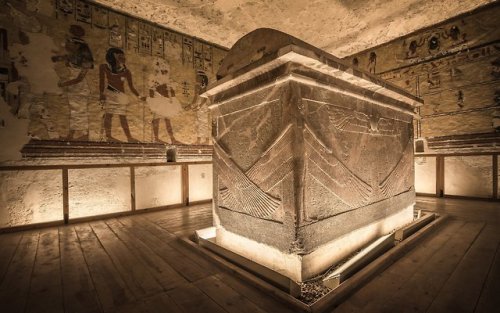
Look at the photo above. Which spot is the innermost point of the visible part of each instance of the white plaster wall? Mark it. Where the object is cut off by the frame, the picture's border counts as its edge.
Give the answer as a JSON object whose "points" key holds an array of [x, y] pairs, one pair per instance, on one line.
{"points": [[157, 186], [468, 176], [425, 175], [28, 197], [200, 182], [98, 191]]}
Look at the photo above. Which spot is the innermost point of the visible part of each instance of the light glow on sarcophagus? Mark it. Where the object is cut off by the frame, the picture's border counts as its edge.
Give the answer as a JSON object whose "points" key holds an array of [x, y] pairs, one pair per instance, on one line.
{"points": [[313, 159]]}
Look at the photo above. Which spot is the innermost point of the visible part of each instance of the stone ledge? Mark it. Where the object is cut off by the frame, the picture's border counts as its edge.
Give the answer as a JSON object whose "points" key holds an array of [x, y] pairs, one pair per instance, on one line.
{"points": [[86, 149]]}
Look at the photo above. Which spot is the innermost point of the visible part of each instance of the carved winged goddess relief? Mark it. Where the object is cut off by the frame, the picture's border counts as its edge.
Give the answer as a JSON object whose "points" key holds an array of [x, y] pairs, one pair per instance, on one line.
{"points": [[398, 178], [333, 174], [344, 119], [240, 192]]}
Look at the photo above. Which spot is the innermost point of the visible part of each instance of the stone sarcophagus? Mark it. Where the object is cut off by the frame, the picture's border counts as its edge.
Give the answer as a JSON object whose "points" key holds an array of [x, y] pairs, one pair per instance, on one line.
{"points": [[312, 158]]}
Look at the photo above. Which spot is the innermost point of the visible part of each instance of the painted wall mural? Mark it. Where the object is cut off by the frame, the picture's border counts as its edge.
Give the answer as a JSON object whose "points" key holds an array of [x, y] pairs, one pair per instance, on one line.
{"points": [[453, 66], [77, 71]]}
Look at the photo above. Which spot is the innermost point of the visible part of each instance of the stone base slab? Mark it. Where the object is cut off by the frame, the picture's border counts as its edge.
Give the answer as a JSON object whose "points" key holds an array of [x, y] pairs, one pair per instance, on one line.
{"points": [[303, 267]]}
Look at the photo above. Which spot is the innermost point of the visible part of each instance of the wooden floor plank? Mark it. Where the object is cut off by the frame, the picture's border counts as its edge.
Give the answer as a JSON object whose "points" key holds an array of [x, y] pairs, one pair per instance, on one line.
{"points": [[257, 296], [160, 304], [15, 286], [179, 225], [391, 280], [79, 292], [111, 289], [132, 269], [471, 272], [209, 267], [181, 213], [96, 276], [159, 244], [164, 274], [191, 299], [489, 301], [144, 224], [184, 218], [228, 298], [45, 293], [465, 210], [184, 222], [421, 288], [8, 246]]}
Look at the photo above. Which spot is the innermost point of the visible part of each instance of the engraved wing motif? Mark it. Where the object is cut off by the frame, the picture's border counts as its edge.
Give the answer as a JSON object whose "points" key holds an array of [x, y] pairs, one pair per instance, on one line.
{"points": [[240, 193], [359, 122], [347, 120], [387, 126], [398, 177], [275, 163], [333, 174]]}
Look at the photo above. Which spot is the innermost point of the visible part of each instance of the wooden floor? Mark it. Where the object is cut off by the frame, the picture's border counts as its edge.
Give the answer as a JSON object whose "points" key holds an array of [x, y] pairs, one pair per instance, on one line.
{"points": [[136, 264]]}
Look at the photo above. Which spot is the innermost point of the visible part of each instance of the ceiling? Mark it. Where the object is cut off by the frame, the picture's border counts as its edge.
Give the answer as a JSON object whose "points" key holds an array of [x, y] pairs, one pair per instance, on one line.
{"points": [[341, 27]]}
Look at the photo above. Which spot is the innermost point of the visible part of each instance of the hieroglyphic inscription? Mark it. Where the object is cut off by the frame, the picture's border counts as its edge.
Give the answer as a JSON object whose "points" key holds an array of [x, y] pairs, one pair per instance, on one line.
{"points": [[145, 38], [99, 17], [83, 12], [132, 34], [116, 30], [187, 50], [158, 43], [452, 67]]}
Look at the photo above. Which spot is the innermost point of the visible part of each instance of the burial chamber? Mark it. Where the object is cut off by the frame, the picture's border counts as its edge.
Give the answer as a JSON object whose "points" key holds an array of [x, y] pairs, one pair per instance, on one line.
{"points": [[313, 158]]}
